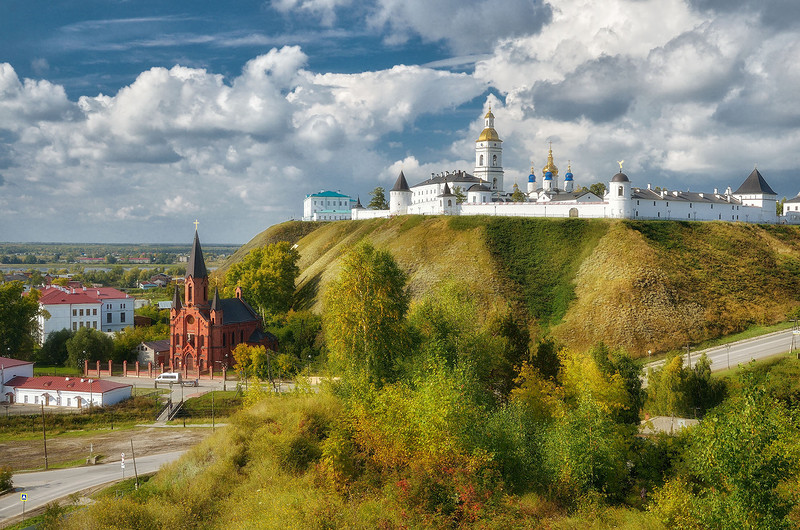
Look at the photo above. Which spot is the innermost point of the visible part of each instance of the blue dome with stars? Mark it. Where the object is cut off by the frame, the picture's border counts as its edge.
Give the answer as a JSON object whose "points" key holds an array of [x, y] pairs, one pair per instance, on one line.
{"points": [[548, 175], [531, 178], [568, 176]]}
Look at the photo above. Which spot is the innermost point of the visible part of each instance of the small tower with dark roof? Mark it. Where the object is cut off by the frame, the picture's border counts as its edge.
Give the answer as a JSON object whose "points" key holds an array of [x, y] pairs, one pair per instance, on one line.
{"points": [[400, 196], [755, 191], [619, 195]]}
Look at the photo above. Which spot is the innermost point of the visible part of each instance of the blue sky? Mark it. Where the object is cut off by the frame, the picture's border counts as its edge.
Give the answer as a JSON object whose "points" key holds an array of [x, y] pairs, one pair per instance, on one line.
{"points": [[123, 121]]}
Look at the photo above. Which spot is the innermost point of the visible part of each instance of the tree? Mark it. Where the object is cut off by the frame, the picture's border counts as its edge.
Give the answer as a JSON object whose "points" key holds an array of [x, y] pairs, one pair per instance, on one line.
{"points": [[18, 320], [364, 315], [266, 276], [90, 345], [779, 206], [54, 349], [517, 195], [458, 191], [126, 340], [598, 188], [743, 459], [378, 201]]}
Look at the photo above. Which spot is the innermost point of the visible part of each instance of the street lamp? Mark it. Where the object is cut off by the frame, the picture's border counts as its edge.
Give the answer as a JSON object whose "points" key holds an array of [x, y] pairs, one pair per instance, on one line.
{"points": [[91, 398]]}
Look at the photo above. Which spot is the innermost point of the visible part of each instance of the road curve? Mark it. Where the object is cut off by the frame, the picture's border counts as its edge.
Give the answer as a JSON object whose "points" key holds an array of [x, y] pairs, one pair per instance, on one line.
{"points": [[46, 486]]}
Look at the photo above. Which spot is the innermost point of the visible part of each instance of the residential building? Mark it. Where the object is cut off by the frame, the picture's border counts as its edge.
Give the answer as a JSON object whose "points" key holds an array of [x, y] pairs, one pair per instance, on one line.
{"points": [[9, 369], [70, 392]]}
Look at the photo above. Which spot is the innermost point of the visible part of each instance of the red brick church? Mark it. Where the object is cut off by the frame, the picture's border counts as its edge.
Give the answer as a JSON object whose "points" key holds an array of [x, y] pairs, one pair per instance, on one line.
{"points": [[203, 333]]}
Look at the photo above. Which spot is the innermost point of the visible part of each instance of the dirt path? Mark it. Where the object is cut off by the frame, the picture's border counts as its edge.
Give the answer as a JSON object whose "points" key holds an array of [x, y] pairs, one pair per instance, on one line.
{"points": [[29, 454]]}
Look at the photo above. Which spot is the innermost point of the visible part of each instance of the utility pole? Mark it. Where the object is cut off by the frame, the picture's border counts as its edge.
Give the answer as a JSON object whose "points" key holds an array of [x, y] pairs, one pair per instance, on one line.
{"points": [[728, 351], [212, 411], [133, 455], [689, 354], [44, 438]]}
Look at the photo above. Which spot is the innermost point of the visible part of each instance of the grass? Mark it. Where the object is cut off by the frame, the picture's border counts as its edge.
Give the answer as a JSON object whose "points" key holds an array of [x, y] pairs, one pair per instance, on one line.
{"points": [[66, 371]]}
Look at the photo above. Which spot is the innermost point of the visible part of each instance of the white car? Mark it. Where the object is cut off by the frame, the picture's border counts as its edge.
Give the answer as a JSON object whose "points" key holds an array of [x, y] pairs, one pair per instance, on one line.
{"points": [[175, 378]]}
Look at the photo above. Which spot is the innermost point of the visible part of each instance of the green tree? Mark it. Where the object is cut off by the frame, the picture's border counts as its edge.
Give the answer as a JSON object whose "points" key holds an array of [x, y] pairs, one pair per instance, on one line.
{"points": [[458, 191], [517, 195], [743, 460], [364, 315], [779, 206], [88, 344], [266, 276], [18, 324], [54, 350], [598, 188], [666, 388], [126, 340], [378, 200]]}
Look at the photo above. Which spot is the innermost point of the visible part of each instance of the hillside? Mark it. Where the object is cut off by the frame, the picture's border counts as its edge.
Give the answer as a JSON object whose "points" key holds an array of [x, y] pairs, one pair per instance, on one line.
{"points": [[641, 285]]}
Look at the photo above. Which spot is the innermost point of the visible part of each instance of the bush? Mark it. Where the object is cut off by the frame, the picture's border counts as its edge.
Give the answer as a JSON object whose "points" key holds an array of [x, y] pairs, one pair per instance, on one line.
{"points": [[5, 478]]}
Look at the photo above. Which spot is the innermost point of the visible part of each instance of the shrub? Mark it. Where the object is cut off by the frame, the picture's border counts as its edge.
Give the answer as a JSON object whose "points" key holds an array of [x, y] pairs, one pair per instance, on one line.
{"points": [[5, 478]]}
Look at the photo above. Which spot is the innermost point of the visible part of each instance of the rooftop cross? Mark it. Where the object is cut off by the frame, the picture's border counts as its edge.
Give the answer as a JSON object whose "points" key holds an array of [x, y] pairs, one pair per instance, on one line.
{"points": [[196, 222], [620, 162]]}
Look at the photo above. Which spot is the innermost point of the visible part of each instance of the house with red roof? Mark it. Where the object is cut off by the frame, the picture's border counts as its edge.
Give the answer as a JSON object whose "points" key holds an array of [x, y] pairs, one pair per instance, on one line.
{"points": [[101, 308], [71, 392], [9, 369]]}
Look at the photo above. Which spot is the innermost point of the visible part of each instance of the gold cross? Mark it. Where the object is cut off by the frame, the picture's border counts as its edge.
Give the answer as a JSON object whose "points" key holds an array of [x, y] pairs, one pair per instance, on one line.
{"points": [[196, 222]]}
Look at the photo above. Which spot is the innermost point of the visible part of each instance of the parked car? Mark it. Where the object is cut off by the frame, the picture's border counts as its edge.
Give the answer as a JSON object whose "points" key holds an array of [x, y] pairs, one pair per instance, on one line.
{"points": [[175, 378]]}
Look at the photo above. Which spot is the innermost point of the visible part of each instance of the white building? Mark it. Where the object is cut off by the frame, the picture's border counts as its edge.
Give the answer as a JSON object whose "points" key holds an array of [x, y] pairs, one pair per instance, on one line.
{"points": [[9, 369], [327, 206], [791, 210], [459, 193], [104, 309], [71, 392]]}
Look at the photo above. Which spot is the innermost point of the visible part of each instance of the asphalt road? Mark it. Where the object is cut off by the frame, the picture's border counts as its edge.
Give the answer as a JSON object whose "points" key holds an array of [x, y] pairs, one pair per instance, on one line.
{"points": [[742, 352], [46, 486]]}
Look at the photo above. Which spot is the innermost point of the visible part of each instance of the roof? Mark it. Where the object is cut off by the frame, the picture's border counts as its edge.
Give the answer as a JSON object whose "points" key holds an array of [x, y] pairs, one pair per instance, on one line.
{"points": [[328, 194], [104, 293], [196, 267], [259, 336], [158, 345], [489, 134], [401, 184], [684, 196], [795, 199], [55, 296], [8, 362], [620, 177], [235, 310], [754, 183], [446, 192], [176, 300], [455, 176], [478, 187], [72, 384]]}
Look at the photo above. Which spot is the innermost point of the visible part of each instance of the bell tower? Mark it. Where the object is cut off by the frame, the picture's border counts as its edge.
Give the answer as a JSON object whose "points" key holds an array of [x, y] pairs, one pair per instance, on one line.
{"points": [[489, 155], [196, 290]]}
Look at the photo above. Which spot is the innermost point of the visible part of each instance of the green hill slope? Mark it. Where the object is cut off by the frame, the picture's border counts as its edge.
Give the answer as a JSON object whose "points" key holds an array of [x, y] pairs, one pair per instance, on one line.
{"points": [[640, 285]]}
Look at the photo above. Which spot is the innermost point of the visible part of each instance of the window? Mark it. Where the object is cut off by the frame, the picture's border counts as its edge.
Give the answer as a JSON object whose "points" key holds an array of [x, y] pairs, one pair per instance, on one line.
{"points": [[81, 324], [26, 399], [69, 402], [619, 191], [494, 160], [108, 318], [241, 335], [122, 317], [74, 312], [80, 312], [481, 161], [94, 312], [35, 400], [94, 324]]}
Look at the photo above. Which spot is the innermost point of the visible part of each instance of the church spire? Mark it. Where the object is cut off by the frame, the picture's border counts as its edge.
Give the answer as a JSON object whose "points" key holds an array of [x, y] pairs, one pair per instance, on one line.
{"points": [[215, 304], [197, 265], [176, 299]]}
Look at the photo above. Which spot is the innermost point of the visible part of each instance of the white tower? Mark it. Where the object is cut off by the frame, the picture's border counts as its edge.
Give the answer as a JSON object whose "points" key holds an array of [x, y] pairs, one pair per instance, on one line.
{"points": [[400, 196], [619, 195], [532, 181], [489, 155]]}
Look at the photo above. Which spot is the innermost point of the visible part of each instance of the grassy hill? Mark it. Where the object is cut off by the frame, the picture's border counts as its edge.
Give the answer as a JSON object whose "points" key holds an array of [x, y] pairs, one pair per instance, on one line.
{"points": [[640, 285]]}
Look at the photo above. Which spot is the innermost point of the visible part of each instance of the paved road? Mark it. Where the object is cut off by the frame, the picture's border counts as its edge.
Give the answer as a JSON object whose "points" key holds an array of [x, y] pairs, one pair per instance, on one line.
{"points": [[742, 352], [46, 486]]}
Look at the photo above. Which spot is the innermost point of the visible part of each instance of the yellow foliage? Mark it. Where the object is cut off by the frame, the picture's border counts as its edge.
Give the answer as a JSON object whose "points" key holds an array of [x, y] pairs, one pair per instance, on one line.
{"points": [[581, 376]]}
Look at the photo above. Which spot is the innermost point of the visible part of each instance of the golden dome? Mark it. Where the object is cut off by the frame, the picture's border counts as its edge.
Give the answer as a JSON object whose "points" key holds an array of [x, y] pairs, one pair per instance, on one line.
{"points": [[489, 135], [489, 114], [551, 166]]}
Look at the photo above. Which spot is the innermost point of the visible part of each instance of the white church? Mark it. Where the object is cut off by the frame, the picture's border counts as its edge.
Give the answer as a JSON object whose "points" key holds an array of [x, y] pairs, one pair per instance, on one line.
{"points": [[483, 193]]}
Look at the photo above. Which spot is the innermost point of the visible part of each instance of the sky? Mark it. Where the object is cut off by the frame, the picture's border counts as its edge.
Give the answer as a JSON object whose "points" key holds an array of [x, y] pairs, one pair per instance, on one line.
{"points": [[126, 120]]}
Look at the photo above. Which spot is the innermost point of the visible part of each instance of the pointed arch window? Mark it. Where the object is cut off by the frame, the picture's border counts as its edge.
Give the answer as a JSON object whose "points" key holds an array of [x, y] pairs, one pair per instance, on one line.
{"points": [[494, 160]]}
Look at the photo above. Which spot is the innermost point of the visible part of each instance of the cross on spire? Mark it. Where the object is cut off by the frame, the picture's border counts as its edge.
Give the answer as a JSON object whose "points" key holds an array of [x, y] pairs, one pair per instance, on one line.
{"points": [[196, 222]]}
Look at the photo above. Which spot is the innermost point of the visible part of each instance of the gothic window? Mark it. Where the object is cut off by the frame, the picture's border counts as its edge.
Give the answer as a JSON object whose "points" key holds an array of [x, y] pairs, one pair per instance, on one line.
{"points": [[449, 202], [190, 294], [494, 160]]}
